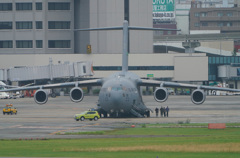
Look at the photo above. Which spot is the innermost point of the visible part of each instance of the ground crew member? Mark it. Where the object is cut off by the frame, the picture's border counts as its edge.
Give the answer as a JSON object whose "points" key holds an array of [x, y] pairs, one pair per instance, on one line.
{"points": [[157, 111], [161, 111], [167, 110], [164, 111]]}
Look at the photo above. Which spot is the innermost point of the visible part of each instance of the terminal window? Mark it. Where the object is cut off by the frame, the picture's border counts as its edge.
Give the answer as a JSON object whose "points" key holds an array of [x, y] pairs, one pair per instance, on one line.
{"points": [[59, 44], [24, 25], [39, 43], [6, 44], [238, 71], [23, 6], [5, 6], [59, 25], [24, 44], [39, 25], [5, 25], [39, 6], [58, 6]]}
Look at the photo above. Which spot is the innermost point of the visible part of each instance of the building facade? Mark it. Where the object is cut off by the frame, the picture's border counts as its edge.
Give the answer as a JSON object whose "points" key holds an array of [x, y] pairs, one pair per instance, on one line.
{"points": [[48, 26], [223, 19], [183, 8], [36, 27]]}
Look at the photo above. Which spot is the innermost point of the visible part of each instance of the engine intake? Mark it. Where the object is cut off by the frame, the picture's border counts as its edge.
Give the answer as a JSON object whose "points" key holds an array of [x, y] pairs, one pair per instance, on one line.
{"points": [[41, 96], [76, 94], [161, 94], [198, 96]]}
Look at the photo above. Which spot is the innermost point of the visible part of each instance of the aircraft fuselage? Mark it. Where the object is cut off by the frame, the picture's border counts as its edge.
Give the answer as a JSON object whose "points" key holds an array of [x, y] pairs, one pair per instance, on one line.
{"points": [[120, 94]]}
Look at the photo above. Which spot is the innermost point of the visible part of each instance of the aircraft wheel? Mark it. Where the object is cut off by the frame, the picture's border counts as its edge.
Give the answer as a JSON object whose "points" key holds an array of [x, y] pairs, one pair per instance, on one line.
{"points": [[214, 92], [53, 95], [105, 115], [82, 118], [148, 113]]}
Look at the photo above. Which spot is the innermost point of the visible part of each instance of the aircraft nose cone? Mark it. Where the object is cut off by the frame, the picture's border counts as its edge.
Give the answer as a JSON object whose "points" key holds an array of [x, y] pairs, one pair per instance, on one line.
{"points": [[116, 98]]}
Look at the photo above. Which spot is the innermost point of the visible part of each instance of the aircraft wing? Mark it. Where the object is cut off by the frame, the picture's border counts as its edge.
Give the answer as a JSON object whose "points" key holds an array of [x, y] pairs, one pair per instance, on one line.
{"points": [[156, 83], [93, 82]]}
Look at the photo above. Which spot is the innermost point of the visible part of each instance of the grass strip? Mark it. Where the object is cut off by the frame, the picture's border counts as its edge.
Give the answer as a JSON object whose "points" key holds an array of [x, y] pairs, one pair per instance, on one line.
{"points": [[169, 142]]}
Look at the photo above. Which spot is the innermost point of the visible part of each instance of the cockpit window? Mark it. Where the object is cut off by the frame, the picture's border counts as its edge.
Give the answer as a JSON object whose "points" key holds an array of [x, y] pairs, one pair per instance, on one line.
{"points": [[116, 88]]}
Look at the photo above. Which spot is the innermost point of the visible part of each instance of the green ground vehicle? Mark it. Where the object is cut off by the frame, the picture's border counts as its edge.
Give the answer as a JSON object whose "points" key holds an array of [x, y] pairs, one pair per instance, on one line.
{"points": [[91, 115], [9, 109]]}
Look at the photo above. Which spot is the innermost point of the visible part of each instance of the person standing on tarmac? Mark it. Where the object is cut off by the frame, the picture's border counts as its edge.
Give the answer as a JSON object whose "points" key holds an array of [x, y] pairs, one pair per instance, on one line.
{"points": [[157, 111], [167, 110], [161, 111], [164, 111]]}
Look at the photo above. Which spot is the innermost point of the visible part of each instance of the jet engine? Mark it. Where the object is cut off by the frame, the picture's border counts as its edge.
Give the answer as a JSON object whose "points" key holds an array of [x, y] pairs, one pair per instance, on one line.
{"points": [[41, 96], [198, 96], [161, 94], [76, 94]]}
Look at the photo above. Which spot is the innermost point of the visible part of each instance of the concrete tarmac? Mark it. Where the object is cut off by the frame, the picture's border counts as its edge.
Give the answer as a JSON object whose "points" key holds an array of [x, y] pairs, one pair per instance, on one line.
{"points": [[56, 116]]}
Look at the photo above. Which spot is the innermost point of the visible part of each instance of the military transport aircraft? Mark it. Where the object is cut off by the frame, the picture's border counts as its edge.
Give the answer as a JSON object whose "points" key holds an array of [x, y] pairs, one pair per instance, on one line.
{"points": [[120, 92]]}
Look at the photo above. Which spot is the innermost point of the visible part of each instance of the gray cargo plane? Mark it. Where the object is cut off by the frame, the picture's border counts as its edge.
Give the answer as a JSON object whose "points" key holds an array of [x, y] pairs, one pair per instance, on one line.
{"points": [[120, 94]]}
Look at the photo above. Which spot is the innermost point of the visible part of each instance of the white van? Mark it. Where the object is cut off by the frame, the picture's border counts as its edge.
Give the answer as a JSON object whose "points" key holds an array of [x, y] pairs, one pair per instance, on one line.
{"points": [[4, 95]]}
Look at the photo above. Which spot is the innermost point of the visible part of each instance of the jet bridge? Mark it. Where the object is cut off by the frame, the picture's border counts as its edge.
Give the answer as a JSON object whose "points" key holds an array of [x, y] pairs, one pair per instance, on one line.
{"points": [[51, 71]]}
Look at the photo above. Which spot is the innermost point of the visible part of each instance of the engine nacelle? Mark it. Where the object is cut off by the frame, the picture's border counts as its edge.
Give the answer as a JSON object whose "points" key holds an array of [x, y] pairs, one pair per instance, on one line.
{"points": [[198, 96], [41, 96], [76, 94], [161, 94]]}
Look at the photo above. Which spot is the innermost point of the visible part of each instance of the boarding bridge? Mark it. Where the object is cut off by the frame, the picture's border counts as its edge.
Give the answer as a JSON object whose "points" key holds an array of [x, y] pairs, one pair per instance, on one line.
{"points": [[51, 71]]}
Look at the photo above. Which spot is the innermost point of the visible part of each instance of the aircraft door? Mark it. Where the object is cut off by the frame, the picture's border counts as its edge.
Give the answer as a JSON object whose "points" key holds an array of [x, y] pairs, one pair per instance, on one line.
{"points": [[88, 115]]}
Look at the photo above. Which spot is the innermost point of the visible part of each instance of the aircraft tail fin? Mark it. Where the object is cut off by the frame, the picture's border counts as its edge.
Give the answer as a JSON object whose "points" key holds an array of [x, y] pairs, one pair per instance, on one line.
{"points": [[2, 84], [125, 29]]}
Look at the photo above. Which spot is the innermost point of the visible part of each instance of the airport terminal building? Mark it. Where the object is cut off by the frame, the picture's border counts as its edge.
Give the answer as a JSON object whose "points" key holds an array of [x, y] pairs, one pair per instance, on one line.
{"points": [[178, 67]]}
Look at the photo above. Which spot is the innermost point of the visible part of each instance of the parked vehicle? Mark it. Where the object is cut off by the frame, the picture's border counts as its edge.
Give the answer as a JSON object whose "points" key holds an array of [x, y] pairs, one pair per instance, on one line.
{"points": [[91, 115], [4, 95], [9, 109]]}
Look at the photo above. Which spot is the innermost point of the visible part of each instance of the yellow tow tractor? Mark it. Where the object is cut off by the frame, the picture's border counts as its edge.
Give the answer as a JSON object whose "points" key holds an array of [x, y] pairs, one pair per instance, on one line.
{"points": [[9, 109]]}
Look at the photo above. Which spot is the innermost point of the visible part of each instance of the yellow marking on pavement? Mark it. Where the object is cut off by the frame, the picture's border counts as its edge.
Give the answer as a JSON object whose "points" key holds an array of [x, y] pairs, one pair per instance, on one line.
{"points": [[72, 129]]}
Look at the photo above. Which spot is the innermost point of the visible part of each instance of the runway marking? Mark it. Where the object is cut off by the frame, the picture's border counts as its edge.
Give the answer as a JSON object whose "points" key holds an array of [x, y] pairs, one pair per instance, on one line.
{"points": [[15, 126], [72, 129], [39, 127]]}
